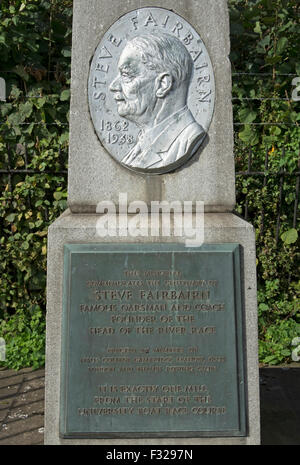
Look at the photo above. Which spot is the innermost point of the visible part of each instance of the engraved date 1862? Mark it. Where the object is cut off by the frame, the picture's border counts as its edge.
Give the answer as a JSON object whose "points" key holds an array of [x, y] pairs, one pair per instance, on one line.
{"points": [[117, 132]]}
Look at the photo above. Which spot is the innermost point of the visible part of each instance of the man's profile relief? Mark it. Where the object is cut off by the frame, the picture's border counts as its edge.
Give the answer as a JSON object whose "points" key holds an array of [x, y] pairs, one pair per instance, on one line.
{"points": [[151, 90]]}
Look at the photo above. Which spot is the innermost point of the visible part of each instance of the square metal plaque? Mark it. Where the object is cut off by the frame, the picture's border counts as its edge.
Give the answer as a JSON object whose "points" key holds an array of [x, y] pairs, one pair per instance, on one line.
{"points": [[152, 342]]}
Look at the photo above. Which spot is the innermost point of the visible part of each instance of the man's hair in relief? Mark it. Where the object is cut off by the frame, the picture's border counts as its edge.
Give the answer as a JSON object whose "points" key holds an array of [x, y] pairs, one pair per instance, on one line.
{"points": [[165, 53]]}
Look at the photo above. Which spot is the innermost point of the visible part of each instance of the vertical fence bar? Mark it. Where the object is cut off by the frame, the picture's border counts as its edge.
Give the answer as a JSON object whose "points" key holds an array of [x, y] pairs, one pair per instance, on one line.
{"points": [[29, 203], [264, 185], [50, 39], [9, 169], [296, 196], [25, 157], [279, 204], [61, 160], [248, 172]]}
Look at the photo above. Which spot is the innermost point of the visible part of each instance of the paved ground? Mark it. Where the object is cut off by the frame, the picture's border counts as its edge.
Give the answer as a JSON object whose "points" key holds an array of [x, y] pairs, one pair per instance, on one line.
{"points": [[22, 406], [280, 405]]}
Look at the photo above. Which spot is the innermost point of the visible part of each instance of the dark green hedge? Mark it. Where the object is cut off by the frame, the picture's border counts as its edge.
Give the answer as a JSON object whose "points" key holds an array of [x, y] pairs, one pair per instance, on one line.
{"points": [[265, 60], [35, 50]]}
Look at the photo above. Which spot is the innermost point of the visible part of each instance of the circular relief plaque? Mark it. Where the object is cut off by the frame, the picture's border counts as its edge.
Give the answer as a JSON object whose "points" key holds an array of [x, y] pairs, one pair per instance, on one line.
{"points": [[151, 90]]}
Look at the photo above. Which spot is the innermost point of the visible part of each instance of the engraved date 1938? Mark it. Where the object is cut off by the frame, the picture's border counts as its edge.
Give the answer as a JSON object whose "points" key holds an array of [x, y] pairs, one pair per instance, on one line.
{"points": [[115, 132]]}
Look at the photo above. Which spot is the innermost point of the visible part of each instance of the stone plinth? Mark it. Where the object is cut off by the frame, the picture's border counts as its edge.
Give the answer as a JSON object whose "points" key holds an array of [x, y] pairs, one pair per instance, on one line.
{"points": [[219, 228]]}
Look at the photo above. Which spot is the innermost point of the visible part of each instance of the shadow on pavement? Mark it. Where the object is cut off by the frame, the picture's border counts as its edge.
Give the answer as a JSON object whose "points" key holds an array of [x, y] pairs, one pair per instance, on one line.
{"points": [[280, 406], [22, 406]]}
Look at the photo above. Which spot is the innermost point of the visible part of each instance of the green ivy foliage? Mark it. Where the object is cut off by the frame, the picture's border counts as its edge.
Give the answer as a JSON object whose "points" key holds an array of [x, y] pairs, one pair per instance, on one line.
{"points": [[265, 59], [35, 50], [265, 46]]}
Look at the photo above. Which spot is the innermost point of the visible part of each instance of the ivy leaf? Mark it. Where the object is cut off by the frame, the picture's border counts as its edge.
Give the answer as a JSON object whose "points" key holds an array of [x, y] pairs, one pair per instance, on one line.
{"points": [[263, 307], [5, 108], [257, 28], [25, 245], [64, 138], [40, 102], [270, 359], [58, 195], [269, 19], [65, 95], [20, 71], [29, 128], [10, 218], [262, 44], [14, 119], [275, 131], [273, 60], [25, 110], [249, 136], [66, 52], [51, 112], [282, 44], [41, 233], [246, 115], [3, 40]]}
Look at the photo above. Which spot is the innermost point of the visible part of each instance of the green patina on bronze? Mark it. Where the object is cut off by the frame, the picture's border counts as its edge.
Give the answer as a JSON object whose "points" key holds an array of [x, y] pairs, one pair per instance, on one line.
{"points": [[153, 341]]}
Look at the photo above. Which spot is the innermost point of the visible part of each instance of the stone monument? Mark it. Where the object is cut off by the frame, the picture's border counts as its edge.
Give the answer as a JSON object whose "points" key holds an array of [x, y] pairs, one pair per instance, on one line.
{"points": [[151, 292]]}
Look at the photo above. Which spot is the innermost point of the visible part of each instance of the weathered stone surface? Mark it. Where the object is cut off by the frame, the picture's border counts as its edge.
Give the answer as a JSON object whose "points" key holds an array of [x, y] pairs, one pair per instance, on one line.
{"points": [[93, 174], [219, 228]]}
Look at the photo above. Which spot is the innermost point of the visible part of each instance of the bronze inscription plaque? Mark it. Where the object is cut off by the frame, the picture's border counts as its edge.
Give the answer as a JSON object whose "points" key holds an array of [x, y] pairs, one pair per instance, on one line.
{"points": [[152, 342]]}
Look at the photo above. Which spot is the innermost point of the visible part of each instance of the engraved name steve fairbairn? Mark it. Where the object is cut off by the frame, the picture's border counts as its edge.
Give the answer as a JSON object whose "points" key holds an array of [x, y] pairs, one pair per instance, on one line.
{"points": [[151, 91]]}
